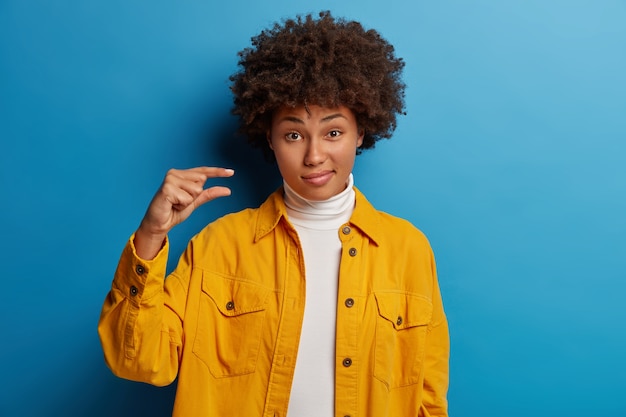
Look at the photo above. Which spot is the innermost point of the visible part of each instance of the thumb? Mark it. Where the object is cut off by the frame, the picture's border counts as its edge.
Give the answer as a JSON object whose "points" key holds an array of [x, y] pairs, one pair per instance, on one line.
{"points": [[211, 194]]}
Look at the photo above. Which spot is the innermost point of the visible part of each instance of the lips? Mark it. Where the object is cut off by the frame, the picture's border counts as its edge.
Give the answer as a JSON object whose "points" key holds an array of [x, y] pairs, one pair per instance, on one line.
{"points": [[318, 178]]}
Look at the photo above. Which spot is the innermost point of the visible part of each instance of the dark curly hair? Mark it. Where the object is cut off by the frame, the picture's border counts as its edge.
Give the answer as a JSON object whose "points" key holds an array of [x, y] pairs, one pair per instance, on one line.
{"points": [[326, 62]]}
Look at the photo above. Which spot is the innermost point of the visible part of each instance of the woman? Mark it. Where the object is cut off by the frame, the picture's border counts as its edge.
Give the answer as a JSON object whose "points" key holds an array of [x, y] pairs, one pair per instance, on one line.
{"points": [[313, 304]]}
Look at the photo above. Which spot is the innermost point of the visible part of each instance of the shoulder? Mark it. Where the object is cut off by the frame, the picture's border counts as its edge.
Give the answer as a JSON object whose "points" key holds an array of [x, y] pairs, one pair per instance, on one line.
{"points": [[401, 231], [228, 228], [386, 228]]}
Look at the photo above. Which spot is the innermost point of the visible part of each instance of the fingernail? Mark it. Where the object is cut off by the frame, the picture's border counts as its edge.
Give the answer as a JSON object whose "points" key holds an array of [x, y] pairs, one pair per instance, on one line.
{"points": [[229, 171]]}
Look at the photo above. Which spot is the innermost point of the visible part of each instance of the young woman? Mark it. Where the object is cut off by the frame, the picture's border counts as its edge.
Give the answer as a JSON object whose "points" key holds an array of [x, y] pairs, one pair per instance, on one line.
{"points": [[313, 304]]}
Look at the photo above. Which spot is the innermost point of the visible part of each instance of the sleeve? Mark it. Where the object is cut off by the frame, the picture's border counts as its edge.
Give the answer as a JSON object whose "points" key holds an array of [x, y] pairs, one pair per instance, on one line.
{"points": [[436, 363], [140, 327]]}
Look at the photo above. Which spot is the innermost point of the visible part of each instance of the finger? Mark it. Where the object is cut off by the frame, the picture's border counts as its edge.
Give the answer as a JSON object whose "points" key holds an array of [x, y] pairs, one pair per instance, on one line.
{"points": [[211, 194], [177, 196], [178, 176], [194, 180], [194, 189], [211, 172], [198, 175]]}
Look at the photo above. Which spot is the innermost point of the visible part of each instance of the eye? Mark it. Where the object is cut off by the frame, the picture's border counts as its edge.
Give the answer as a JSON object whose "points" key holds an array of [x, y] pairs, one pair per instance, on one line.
{"points": [[293, 136], [334, 133]]}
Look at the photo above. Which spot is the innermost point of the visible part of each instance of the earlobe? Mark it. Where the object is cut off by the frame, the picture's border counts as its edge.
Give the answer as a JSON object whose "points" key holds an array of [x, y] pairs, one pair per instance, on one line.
{"points": [[268, 136], [359, 140]]}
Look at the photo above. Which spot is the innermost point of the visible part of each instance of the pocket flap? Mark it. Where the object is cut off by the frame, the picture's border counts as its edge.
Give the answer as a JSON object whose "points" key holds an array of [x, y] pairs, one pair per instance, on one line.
{"points": [[233, 297], [404, 310]]}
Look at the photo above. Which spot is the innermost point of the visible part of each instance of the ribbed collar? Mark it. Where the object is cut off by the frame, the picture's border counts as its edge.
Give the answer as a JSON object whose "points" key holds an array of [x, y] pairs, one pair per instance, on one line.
{"points": [[365, 217], [320, 215]]}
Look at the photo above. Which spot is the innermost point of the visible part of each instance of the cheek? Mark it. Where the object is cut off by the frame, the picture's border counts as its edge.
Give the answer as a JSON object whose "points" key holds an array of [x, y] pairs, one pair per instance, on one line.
{"points": [[284, 159], [349, 154]]}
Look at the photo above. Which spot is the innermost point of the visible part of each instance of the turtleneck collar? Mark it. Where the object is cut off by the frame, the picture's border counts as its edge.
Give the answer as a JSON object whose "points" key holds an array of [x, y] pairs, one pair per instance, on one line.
{"points": [[320, 215]]}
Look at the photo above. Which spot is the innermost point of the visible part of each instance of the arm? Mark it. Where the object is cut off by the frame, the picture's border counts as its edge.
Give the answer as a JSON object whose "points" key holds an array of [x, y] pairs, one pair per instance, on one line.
{"points": [[140, 325], [140, 335]]}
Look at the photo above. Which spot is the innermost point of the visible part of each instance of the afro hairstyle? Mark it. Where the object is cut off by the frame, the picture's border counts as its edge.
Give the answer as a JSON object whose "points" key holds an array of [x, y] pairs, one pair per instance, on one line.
{"points": [[325, 61]]}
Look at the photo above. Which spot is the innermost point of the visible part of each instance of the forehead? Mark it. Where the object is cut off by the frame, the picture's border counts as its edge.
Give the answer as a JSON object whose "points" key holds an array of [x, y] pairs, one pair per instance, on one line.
{"points": [[311, 113]]}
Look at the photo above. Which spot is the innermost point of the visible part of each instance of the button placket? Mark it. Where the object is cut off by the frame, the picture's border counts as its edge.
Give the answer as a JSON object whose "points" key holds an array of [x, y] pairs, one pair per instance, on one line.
{"points": [[347, 316]]}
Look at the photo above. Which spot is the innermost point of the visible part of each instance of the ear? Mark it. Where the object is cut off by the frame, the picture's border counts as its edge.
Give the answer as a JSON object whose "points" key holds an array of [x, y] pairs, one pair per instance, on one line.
{"points": [[359, 139], [268, 136]]}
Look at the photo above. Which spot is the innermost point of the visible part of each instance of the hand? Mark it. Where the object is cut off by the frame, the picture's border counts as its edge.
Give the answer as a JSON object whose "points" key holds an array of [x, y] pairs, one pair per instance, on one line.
{"points": [[180, 194]]}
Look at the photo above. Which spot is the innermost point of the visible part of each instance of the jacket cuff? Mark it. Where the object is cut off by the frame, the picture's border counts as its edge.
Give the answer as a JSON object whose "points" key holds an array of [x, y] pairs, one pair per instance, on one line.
{"points": [[138, 278]]}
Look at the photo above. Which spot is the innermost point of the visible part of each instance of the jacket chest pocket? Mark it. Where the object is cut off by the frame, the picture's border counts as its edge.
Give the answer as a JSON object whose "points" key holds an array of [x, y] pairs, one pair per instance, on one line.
{"points": [[401, 327], [230, 325]]}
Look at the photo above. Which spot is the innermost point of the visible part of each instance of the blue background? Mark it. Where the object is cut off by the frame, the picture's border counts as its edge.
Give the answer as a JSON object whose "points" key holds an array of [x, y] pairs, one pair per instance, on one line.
{"points": [[512, 159]]}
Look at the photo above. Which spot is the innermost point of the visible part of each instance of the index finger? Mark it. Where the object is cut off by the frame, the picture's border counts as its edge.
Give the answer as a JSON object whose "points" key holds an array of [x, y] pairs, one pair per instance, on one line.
{"points": [[201, 174], [212, 172]]}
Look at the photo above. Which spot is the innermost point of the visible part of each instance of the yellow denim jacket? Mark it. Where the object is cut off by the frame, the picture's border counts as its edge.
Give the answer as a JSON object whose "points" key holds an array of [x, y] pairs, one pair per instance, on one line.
{"points": [[227, 321]]}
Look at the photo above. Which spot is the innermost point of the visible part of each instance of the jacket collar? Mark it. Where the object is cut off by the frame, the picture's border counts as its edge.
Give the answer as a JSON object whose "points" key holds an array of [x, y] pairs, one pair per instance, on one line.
{"points": [[365, 217]]}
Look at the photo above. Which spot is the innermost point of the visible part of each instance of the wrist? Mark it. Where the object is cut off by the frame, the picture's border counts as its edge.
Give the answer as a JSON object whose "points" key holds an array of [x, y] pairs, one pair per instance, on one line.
{"points": [[147, 244]]}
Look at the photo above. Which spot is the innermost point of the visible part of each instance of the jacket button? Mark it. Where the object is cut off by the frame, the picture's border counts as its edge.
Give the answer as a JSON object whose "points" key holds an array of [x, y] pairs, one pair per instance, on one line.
{"points": [[349, 302], [347, 362], [230, 305], [399, 321], [140, 269], [352, 252], [346, 230], [133, 291]]}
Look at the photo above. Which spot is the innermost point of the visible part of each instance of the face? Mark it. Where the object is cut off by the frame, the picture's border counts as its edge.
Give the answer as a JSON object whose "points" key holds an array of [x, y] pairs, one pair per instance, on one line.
{"points": [[315, 149]]}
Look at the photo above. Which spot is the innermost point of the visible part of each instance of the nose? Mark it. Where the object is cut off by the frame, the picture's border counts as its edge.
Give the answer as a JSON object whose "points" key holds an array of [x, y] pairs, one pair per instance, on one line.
{"points": [[315, 153]]}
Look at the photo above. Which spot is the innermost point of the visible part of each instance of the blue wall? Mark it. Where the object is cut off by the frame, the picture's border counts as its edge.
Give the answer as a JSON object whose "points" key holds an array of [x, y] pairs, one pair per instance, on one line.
{"points": [[512, 159]]}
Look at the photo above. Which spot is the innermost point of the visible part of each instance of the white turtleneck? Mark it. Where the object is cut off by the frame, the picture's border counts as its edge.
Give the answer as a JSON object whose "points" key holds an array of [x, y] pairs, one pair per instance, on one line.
{"points": [[318, 224]]}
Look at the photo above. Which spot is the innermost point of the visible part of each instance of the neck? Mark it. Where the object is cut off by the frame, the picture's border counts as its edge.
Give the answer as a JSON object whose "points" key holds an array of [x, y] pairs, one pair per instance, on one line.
{"points": [[325, 214]]}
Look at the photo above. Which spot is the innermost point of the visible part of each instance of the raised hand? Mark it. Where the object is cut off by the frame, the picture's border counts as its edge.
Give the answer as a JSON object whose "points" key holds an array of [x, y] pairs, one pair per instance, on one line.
{"points": [[181, 192]]}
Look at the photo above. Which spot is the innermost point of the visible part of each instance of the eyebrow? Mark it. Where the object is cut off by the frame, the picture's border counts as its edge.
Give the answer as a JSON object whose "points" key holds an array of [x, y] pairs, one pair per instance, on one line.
{"points": [[324, 119]]}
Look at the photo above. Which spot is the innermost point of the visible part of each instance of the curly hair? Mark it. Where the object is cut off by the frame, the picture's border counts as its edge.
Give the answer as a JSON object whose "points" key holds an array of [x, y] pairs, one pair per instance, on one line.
{"points": [[326, 62]]}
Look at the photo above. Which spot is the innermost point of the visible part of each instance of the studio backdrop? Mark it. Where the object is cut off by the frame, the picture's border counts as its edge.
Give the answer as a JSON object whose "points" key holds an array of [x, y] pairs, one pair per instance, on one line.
{"points": [[511, 159]]}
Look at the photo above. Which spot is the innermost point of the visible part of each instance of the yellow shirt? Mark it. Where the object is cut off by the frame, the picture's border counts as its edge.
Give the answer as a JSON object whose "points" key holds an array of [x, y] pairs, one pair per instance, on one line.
{"points": [[228, 319]]}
